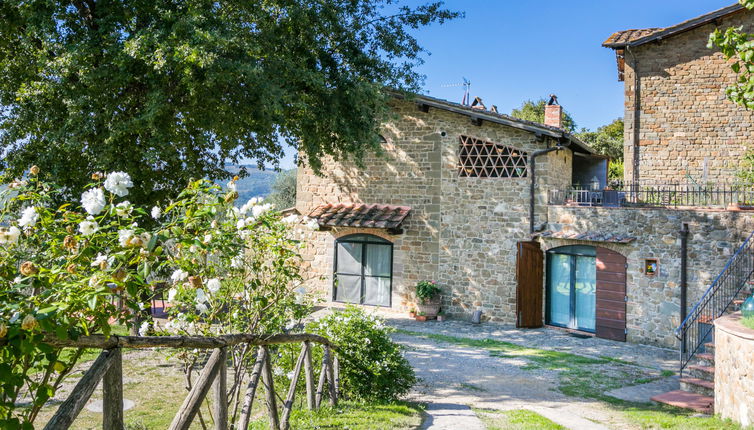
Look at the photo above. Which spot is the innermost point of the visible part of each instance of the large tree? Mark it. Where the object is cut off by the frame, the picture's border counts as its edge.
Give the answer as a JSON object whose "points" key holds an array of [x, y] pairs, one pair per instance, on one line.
{"points": [[532, 110], [171, 89], [606, 140]]}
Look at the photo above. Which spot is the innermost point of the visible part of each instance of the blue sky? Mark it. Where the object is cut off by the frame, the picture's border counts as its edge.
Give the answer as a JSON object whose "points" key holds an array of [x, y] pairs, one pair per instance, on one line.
{"points": [[512, 51]]}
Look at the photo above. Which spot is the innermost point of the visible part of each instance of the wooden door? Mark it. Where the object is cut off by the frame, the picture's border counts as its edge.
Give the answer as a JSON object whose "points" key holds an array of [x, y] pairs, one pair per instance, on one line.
{"points": [[529, 290], [611, 295]]}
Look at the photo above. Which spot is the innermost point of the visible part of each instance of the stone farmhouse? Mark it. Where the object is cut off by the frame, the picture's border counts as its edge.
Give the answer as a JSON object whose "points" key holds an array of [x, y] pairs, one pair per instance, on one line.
{"points": [[486, 205]]}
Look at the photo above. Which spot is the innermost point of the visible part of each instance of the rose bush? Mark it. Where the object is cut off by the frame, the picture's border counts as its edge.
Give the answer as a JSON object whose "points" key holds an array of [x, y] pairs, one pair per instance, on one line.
{"points": [[64, 267]]}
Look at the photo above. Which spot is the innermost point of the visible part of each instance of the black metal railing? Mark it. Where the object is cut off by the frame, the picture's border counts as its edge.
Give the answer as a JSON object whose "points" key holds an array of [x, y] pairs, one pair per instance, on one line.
{"points": [[696, 329], [632, 194]]}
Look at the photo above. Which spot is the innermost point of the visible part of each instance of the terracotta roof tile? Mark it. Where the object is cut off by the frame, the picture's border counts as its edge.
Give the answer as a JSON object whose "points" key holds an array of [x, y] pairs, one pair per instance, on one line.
{"points": [[621, 38], [360, 215], [590, 236]]}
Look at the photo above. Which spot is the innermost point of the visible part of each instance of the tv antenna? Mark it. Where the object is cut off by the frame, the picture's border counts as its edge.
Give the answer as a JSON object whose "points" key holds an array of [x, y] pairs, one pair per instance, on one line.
{"points": [[466, 84]]}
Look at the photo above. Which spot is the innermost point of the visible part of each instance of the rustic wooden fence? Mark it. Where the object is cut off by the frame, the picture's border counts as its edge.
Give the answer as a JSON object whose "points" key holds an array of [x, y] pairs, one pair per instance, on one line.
{"points": [[108, 369]]}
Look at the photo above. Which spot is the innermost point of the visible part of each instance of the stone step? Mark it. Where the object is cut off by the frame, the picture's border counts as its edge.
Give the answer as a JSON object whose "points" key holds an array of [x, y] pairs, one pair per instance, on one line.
{"points": [[687, 400], [702, 372], [698, 386], [709, 347], [705, 359]]}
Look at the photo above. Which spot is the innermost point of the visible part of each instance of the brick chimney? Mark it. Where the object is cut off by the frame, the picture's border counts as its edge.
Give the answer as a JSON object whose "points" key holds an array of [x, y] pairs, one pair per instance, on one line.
{"points": [[553, 112]]}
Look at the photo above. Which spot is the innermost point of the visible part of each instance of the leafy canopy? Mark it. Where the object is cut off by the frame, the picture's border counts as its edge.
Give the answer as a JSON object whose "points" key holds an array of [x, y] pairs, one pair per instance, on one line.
{"points": [[739, 46], [170, 90], [531, 110], [606, 140]]}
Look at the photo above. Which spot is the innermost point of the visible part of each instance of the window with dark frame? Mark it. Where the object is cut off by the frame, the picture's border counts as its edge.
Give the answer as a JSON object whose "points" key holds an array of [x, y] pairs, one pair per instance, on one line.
{"points": [[363, 270], [481, 159]]}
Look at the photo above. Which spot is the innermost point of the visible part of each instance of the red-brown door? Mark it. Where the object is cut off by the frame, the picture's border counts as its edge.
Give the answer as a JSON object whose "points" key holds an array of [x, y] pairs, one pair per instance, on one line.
{"points": [[611, 295], [529, 290]]}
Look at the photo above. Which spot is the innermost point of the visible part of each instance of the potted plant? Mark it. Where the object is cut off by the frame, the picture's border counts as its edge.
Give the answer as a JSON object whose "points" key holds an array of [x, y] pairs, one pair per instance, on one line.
{"points": [[441, 316], [412, 313], [421, 317], [428, 295]]}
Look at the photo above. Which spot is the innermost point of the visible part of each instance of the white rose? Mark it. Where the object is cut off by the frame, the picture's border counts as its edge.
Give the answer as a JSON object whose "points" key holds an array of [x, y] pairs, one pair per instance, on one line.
{"points": [[290, 219], [171, 294], [260, 209], [202, 308], [123, 209], [232, 186], [118, 183], [237, 262], [201, 297], [103, 261], [93, 201], [179, 276], [312, 224], [241, 224], [156, 212], [88, 227], [10, 236], [29, 217], [213, 285], [144, 328], [124, 236], [207, 238]]}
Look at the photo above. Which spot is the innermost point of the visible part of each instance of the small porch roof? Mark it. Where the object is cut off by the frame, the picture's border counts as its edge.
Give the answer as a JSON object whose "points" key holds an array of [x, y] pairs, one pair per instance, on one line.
{"points": [[589, 236], [360, 215]]}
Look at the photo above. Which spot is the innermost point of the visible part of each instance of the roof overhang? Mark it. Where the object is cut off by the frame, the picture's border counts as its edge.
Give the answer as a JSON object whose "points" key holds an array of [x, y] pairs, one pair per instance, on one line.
{"points": [[360, 215], [478, 116]]}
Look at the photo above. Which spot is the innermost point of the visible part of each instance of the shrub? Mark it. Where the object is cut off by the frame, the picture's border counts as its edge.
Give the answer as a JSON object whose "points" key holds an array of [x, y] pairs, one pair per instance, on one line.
{"points": [[372, 367], [426, 290]]}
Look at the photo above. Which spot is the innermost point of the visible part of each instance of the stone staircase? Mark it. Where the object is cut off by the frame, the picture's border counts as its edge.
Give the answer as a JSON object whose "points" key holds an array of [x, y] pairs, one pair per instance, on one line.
{"points": [[697, 390]]}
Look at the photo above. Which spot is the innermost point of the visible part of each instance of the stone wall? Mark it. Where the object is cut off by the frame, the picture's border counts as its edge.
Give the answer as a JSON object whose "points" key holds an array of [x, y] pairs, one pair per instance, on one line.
{"points": [[653, 305], [734, 370], [685, 116], [461, 231]]}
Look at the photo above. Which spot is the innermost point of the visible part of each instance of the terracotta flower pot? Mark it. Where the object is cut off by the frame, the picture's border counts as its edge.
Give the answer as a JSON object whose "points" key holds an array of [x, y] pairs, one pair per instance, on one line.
{"points": [[412, 314], [421, 318]]}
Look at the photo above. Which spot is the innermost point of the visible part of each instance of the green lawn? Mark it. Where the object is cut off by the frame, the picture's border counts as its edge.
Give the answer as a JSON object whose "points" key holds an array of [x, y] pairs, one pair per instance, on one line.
{"points": [[591, 377], [518, 419], [353, 416]]}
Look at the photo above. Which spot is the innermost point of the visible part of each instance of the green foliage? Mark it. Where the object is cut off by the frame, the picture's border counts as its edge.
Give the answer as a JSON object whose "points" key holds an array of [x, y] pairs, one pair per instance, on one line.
{"points": [[738, 46], [615, 170], [169, 91], [745, 170], [62, 267], [531, 110], [426, 290], [517, 419], [283, 194], [607, 140], [372, 366]]}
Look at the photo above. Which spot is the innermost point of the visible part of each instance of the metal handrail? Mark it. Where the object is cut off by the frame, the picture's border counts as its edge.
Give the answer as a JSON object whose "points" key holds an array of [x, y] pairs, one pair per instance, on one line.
{"points": [[694, 331]]}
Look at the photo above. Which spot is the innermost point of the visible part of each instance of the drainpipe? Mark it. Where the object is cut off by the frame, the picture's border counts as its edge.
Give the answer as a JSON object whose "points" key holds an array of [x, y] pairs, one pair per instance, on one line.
{"points": [[533, 160], [684, 279], [637, 113]]}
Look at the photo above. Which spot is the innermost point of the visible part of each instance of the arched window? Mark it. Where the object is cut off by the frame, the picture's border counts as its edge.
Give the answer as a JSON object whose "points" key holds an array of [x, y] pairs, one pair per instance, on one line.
{"points": [[363, 270]]}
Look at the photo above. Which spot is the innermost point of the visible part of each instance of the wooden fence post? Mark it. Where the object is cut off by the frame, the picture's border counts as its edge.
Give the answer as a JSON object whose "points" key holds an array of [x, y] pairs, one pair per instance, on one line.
{"points": [[251, 389], [112, 393], [221, 392], [69, 410], [288, 406], [309, 373], [336, 363], [321, 384], [193, 402], [269, 387], [330, 377]]}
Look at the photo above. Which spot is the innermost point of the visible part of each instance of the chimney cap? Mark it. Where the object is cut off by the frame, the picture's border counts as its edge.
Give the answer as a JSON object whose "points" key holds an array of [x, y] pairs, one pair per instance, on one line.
{"points": [[553, 100]]}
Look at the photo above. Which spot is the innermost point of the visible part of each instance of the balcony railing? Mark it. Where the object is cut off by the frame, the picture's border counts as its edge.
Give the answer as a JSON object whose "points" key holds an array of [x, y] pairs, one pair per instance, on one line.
{"points": [[630, 194]]}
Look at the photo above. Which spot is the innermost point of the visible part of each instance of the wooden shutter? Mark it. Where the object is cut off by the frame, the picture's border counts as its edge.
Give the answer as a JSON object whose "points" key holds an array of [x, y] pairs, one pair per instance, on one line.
{"points": [[529, 290], [611, 295]]}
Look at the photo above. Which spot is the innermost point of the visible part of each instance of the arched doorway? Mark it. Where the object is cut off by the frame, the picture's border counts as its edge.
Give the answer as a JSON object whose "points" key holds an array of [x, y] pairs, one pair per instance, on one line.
{"points": [[586, 290]]}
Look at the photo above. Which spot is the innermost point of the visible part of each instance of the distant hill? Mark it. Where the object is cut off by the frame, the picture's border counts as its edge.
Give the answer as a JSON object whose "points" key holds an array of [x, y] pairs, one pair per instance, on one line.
{"points": [[257, 184]]}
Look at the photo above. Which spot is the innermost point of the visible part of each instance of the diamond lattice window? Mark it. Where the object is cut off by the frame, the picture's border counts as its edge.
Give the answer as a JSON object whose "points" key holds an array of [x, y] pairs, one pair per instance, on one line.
{"points": [[480, 159]]}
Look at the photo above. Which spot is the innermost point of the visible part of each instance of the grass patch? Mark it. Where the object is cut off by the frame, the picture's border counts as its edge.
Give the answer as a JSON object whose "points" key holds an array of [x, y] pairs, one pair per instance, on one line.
{"points": [[353, 416], [748, 322], [517, 419]]}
